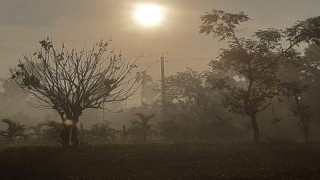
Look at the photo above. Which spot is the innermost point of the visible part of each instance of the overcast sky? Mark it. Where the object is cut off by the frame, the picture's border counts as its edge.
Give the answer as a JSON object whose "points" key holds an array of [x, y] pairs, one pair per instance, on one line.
{"points": [[77, 22]]}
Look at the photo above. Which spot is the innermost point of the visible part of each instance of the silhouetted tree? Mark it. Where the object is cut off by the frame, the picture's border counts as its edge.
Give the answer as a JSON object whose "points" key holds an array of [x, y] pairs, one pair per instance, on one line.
{"points": [[14, 130], [37, 130], [297, 79], [141, 128], [72, 81], [149, 88], [253, 62], [312, 61], [301, 111], [190, 91], [312, 55], [194, 111]]}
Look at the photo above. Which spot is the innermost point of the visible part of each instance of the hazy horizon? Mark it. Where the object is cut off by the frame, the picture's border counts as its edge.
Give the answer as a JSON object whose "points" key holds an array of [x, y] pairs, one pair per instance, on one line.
{"points": [[79, 23]]}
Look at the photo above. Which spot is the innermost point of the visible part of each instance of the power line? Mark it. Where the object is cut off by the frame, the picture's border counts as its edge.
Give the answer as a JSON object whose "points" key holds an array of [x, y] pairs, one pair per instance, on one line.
{"points": [[180, 59], [183, 52], [190, 59]]}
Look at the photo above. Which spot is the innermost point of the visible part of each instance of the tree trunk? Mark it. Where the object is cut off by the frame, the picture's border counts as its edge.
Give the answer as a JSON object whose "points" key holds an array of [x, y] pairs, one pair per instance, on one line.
{"points": [[256, 133], [69, 134]]}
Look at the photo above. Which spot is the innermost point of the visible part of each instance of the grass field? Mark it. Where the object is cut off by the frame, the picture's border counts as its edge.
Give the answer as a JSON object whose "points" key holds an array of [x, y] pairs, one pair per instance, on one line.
{"points": [[163, 161]]}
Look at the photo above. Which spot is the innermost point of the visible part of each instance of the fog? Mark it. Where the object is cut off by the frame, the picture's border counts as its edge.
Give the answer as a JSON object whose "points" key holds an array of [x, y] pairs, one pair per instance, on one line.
{"points": [[178, 89]]}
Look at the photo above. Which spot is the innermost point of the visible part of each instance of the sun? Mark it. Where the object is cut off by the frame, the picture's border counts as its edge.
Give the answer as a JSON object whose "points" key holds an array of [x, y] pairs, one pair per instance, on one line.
{"points": [[149, 15]]}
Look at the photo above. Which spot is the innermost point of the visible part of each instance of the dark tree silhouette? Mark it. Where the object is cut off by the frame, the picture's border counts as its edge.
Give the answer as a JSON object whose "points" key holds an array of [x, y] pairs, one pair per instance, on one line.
{"points": [[72, 81], [148, 88], [297, 79], [189, 90], [312, 60], [254, 62], [14, 130], [301, 111], [141, 127], [37, 130]]}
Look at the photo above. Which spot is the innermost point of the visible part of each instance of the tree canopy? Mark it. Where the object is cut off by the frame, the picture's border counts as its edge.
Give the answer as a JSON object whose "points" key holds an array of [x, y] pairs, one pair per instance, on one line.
{"points": [[254, 62]]}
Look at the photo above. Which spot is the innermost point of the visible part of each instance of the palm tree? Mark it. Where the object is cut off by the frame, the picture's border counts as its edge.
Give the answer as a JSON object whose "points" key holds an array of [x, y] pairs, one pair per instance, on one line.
{"points": [[141, 127], [37, 130], [14, 130]]}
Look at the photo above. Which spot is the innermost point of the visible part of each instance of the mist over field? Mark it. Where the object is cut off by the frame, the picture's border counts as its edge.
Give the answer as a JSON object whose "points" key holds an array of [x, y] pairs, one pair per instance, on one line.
{"points": [[135, 89]]}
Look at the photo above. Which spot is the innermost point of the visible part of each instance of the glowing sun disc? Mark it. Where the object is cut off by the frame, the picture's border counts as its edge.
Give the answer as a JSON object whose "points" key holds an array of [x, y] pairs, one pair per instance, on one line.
{"points": [[149, 14]]}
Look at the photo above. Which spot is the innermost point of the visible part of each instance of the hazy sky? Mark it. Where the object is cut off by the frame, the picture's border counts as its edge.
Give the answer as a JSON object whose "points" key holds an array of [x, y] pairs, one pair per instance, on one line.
{"points": [[77, 22]]}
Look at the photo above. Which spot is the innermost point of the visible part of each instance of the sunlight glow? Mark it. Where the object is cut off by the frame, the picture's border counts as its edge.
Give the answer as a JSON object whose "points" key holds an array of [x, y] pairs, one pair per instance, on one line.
{"points": [[68, 122], [149, 15]]}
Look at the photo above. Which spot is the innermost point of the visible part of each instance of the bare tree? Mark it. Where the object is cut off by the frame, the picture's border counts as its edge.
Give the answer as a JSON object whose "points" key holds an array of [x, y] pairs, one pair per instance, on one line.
{"points": [[72, 81]]}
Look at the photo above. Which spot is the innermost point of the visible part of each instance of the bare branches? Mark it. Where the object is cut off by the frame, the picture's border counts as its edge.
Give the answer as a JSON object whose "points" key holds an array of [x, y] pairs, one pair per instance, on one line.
{"points": [[71, 81]]}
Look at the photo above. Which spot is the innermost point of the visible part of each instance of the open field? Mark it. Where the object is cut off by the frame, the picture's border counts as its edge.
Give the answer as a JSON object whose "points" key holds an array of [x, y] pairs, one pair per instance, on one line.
{"points": [[163, 161]]}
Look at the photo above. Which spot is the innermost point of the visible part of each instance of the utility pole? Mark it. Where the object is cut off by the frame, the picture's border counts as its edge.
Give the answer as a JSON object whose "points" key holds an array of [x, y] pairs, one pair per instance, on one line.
{"points": [[163, 89]]}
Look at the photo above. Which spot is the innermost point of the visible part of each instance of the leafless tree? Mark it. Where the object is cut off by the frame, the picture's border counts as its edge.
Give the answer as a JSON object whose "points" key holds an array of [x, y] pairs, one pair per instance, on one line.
{"points": [[72, 81]]}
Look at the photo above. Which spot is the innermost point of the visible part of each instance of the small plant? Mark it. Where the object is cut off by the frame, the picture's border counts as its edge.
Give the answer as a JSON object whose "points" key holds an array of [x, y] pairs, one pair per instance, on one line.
{"points": [[103, 131]]}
